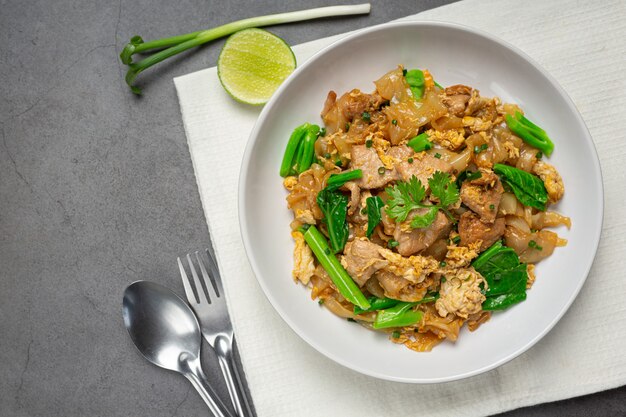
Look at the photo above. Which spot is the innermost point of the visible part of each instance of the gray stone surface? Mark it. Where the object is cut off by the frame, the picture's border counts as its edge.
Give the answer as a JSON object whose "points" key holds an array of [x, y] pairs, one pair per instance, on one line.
{"points": [[97, 190]]}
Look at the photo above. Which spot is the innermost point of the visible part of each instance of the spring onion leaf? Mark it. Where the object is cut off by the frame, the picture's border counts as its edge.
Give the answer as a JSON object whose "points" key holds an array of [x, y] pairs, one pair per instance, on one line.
{"points": [[528, 188], [340, 277], [420, 143], [174, 45], [529, 132], [374, 205], [408, 196]]}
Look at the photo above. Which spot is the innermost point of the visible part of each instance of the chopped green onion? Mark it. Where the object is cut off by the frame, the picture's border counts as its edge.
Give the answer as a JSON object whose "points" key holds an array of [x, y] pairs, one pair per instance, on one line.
{"points": [[366, 116], [456, 239], [438, 155], [392, 243], [327, 155], [321, 301], [442, 264], [381, 170], [395, 334], [539, 155], [534, 245], [347, 127], [369, 143], [344, 283], [492, 207], [410, 160], [394, 122], [479, 149], [323, 131], [420, 143]]}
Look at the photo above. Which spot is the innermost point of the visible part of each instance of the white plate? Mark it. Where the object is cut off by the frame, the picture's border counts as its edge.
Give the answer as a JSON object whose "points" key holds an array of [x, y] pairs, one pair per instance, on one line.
{"points": [[455, 55]]}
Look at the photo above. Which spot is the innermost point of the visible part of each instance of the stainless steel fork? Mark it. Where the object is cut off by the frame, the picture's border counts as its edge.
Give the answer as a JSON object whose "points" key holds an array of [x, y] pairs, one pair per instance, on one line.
{"points": [[215, 323]]}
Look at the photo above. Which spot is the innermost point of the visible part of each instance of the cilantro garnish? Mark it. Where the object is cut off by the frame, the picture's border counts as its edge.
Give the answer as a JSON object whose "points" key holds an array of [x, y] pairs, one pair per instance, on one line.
{"points": [[407, 196]]}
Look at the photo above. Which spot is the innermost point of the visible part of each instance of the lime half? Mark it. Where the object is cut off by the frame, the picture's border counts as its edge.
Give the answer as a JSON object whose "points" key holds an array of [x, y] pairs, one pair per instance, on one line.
{"points": [[253, 63]]}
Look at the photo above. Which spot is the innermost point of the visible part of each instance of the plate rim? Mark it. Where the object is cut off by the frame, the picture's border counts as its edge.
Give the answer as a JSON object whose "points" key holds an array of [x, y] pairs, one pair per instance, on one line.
{"points": [[242, 199]]}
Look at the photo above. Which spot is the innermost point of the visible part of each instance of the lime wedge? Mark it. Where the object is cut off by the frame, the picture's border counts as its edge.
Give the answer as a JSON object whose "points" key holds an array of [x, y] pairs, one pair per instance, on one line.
{"points": [[253, 63]]}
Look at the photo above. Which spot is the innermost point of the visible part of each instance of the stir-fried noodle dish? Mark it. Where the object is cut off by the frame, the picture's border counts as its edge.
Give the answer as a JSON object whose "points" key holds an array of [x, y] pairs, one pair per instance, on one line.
{"points": [[420, 208]]}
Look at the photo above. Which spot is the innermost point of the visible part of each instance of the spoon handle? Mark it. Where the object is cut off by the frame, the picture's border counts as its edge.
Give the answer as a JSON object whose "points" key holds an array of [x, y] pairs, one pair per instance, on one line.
{"points": [[201, 384], [224, 350]]}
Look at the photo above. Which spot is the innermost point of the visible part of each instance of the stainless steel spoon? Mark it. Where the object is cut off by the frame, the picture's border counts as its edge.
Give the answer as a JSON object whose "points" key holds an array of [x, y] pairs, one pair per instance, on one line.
{"points": [[167, 333]]}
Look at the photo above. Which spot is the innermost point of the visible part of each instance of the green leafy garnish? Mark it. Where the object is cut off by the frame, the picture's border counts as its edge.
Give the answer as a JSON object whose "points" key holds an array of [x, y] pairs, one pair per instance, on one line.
{"points": [[528, 188], [408, 196], [374, 205], [506, 276], [529, 132]]}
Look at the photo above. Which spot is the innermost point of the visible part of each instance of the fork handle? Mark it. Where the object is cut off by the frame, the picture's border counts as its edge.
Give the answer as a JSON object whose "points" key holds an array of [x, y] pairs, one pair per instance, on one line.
{"points": [[224, 350]]}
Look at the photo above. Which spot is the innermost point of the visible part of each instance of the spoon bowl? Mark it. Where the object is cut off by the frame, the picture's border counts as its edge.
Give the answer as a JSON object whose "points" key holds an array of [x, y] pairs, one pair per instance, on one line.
{"points": [[166, 332], [162, 326]]}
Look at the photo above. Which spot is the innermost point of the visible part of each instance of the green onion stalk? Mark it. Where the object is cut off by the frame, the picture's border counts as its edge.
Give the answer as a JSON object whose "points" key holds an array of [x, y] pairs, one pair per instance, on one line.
{"points": [[168, 47]]}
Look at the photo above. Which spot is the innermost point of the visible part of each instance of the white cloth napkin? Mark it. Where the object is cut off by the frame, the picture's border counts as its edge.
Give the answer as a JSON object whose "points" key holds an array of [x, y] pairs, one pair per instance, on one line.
{"points": [[582, 45]]}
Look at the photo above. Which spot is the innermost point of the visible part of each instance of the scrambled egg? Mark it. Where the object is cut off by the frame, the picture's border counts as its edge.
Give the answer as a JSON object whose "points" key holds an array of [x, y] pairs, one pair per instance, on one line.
{"points": [[303, 267], [461, 293], [552, 180], [450, 139]]}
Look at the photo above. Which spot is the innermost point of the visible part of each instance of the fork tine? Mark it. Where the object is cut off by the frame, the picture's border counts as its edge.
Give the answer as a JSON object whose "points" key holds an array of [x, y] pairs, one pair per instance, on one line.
{"points": [[191, 297], [217, 277], [210, 286], [196, 280]]}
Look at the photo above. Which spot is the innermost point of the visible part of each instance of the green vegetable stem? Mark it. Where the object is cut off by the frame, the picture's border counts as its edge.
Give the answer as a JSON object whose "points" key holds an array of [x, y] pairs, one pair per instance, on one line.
{"points": [[300, 150], [402, 314], [528, 188], [529, 132], [385, 303], [344, 283], [335, 181], [174, 45], [420, 143]]}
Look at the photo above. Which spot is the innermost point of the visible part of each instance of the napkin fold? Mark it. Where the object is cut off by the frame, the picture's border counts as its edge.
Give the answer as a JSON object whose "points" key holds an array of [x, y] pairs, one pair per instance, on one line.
{"points": [[582, 45]]}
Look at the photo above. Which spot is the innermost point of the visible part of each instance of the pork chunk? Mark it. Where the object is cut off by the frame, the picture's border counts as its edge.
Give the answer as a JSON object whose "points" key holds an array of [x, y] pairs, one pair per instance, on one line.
{"points": [[367, 160], [472, 230], [412, 241], [423, 165], [399, 288], [483, 195], [361, 259]]}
